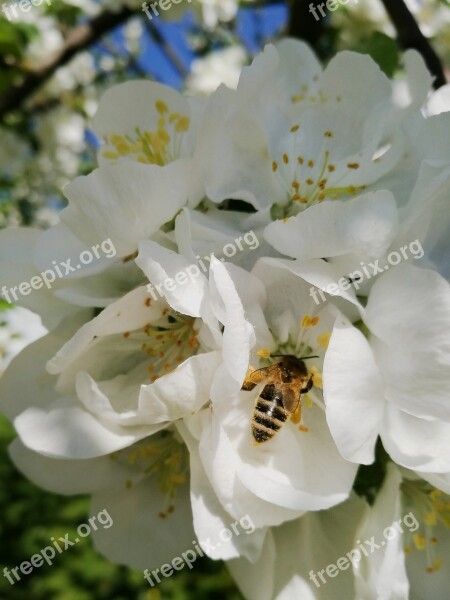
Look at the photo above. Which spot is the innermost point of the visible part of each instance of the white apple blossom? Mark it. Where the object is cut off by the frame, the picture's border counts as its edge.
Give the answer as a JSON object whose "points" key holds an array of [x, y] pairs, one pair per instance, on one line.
{"points": [[135, 394], [294, 552], [414, 562], [158, 127], [283, 137], [400, 375]]}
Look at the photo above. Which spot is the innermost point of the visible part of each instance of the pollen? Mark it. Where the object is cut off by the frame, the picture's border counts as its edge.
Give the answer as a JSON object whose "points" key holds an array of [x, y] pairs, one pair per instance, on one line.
{"points": [[353, 165], [328, 134], [264, 353], [161, 107], [310, 164], [324, 339], [306, 322], [420, 541], [435, 566], [274, 166], [303, 428], [286, 158], [295, 128], [158, 147], [430, 519], [316, 377], [183, 124]]}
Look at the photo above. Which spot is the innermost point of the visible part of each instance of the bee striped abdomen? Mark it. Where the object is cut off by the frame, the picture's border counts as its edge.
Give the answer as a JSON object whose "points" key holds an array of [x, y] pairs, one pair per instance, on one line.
{"points": [[269, 414]]}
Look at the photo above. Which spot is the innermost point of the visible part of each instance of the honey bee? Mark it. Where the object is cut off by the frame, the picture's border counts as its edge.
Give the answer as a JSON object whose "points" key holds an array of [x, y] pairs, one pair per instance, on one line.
{"points": [[280, 398]]}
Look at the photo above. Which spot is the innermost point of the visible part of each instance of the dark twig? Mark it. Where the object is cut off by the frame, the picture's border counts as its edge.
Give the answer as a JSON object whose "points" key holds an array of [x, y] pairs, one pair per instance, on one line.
{"points": [[78, 39], [173, 57], [303, 25], [410, 36]]}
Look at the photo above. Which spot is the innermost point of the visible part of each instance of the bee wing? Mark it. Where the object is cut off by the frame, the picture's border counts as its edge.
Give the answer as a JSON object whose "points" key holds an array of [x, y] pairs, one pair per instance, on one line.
{"points": [[291, 397], [258, 376], [292, 394]]}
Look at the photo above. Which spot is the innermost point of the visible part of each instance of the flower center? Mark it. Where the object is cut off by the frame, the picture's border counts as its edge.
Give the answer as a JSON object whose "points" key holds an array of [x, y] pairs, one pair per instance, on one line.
{"points": [[168, 342], [306, 179], [163, 456], [158, 147], [432, 508]]}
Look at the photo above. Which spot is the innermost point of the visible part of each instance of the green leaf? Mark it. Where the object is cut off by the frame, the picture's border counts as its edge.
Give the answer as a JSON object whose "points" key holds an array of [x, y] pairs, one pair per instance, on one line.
{"points": [[4, 305], [11, 39], [383, 50]]}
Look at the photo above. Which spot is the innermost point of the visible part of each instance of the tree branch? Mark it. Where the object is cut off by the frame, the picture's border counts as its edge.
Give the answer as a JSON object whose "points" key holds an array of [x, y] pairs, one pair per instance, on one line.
{"points": [[303, 25], [410, 36], [78, 39]]}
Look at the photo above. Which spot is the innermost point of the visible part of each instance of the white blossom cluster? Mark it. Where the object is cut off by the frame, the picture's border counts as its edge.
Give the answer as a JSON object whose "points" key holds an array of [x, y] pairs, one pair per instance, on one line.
{"points": [[137, 400]]}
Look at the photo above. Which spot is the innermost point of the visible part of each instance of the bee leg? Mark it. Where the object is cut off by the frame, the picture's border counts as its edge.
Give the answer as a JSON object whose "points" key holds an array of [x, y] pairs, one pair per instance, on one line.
{"points": [[296, 416], [252, 379], [308, 386]]}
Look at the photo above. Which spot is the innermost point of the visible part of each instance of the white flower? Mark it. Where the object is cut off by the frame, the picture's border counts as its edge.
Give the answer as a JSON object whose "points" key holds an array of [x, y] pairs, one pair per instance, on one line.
{"points": [[141, 364], [279, 479], [144, 488], [150, 123], [399, 376], [295, 552], [285, 140], [412, 562]]}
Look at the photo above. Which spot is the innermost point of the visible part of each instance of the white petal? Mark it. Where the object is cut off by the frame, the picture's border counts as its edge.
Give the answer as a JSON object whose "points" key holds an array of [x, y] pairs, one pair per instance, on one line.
{"points": [[139, 537], [37, 388], [365, 225], [125, 202], [180, 393], [65, 430], [382, 575], [417, 444], [353, 393], [228, 309], [131, 105], [131, 312], [211, 519], [17, 247], [409, 311], [163, 267], [68, 476]]}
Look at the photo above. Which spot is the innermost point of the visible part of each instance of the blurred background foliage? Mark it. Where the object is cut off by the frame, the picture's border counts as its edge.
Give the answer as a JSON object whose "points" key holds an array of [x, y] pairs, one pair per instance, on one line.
{"points": [[56, 61]]}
